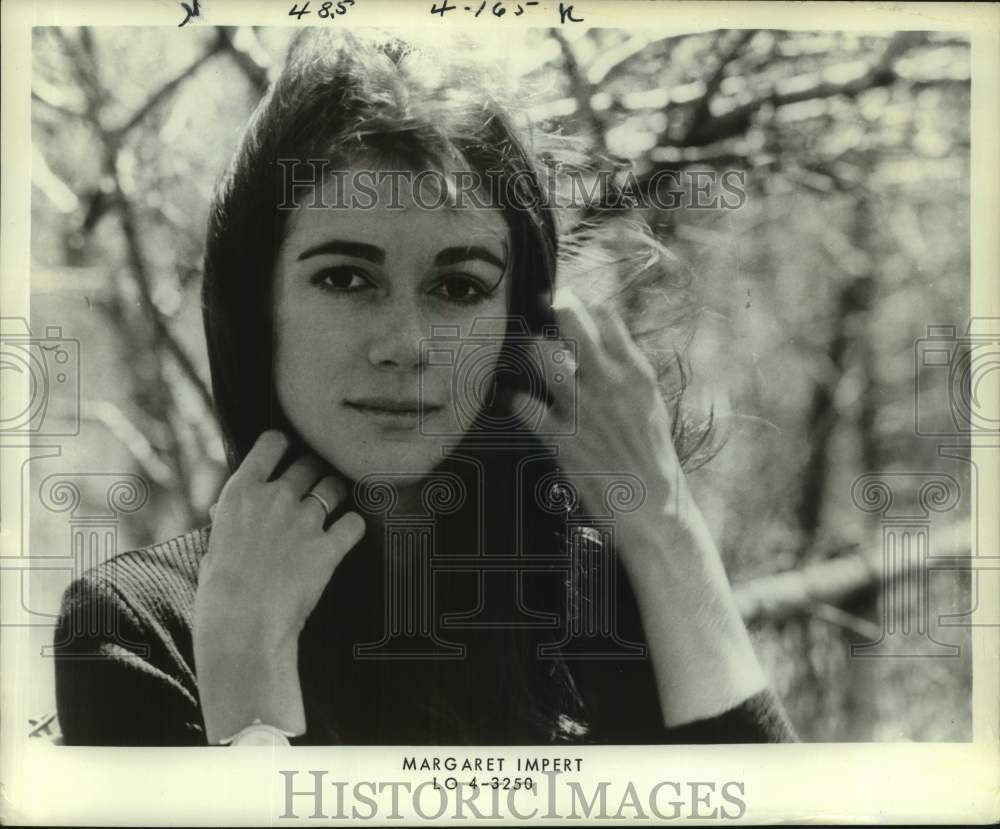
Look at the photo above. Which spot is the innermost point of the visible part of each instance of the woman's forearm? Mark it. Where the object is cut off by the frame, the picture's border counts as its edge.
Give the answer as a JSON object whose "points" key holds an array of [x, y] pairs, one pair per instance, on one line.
{"points": [[237, 689], [702, 657], [270, 558]]}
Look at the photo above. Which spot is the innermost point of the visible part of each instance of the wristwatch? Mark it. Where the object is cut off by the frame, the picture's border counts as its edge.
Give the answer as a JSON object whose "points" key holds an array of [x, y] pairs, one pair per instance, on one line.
{"points": [[259, 734]]}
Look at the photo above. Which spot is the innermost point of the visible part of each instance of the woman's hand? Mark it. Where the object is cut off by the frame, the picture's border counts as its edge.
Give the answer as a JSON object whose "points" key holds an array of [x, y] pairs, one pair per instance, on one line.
{"points": [[618, 427], [614, 423], [269, 560]]}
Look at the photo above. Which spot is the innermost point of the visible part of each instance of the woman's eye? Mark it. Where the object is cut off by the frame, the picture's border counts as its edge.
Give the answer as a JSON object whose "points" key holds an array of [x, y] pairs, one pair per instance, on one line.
{"points": [[461, 289], [341, 279]]}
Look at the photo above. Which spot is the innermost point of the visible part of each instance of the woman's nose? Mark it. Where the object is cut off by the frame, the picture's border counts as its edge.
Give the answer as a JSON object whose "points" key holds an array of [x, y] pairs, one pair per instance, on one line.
{"points": [[395, 338]]}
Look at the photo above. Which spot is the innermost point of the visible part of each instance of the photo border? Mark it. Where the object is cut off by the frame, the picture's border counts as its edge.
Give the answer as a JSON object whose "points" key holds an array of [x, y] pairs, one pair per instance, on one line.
{"points": [[835, 783]]}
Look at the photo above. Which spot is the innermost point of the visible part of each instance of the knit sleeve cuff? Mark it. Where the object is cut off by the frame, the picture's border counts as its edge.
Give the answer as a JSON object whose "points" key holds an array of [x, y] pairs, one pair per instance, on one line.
{"points": [[759, 719]]}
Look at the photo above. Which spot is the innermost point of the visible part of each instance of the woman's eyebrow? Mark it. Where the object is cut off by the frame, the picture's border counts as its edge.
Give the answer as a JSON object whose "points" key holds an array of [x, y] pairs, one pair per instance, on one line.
{"points": [[360, 250], [452, 256]]}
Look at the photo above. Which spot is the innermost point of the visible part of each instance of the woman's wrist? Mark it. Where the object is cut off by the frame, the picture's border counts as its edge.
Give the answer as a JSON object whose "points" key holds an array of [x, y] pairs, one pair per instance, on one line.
{"points": [[259, 733], [238, 688], [702, 655]]}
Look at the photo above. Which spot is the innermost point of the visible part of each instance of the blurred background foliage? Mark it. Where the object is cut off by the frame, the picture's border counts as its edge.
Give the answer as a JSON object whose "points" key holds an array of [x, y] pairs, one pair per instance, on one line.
{"points": [[808, 299]]}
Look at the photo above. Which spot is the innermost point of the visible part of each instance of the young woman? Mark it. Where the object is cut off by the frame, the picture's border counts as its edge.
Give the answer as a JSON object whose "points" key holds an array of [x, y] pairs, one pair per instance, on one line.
{"points": [[425, 537]]}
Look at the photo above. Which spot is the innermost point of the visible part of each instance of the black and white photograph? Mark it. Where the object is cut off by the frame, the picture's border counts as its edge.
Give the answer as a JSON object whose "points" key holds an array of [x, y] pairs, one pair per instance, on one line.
{"points": [[514, 410]]}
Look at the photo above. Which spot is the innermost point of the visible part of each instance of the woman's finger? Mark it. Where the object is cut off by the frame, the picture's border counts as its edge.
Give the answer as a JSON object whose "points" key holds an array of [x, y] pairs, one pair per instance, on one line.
{"points": [[559, 357], [577, 326], [332, 491], [346, 532], [559, 373], [304, 472], [265, 454], [617, 340]]}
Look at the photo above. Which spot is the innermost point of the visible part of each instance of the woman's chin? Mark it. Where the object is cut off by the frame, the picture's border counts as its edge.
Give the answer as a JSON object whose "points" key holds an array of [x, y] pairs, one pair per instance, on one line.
{"points": [[410, 459]]}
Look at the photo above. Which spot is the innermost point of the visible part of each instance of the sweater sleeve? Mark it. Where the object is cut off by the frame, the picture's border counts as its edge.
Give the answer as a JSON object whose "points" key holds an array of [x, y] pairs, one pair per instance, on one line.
{"points": [[116, 681], [629, 713], [759, 719], [621, 701]]}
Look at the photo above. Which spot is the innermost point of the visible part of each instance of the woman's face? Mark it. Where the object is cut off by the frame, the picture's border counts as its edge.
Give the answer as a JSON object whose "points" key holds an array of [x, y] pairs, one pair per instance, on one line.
{"points": [[356, 291]]}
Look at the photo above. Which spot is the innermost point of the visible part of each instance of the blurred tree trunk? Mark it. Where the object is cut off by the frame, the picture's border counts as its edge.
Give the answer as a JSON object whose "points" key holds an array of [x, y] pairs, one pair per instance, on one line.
{"points": [[848, 341], [848, 348]]}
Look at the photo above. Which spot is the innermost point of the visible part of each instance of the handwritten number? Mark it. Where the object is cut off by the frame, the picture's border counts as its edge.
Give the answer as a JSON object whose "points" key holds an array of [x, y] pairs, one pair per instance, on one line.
{"points": [[329, 10], [499, 9]]}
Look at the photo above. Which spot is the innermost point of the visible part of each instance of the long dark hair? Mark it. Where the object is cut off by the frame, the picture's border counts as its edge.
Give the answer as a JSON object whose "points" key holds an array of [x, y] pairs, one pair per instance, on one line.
{"points": [[345, 96]]}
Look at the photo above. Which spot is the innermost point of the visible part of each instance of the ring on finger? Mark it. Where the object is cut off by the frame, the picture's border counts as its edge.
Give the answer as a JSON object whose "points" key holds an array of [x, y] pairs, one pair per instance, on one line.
{"points": [[326, 506]]}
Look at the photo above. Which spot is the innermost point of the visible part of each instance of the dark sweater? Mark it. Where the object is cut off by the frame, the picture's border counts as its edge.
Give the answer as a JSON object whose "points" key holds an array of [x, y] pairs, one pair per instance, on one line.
{"points": [[125, 668]]}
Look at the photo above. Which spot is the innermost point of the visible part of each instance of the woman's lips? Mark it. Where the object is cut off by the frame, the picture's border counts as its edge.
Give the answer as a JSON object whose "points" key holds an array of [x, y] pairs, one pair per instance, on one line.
{"points": [[405, 413]]}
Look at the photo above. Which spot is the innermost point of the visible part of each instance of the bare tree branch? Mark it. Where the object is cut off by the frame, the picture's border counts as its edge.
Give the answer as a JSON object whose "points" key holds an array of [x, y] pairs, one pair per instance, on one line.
{"points": [[861, 628], [59, 193], [611, 60], [131, 437], [141, 276], [582, 90], [834, 582], [168, 88], [51, 97], [249, 60], [737, 121], [111, 141], [701, 113]]}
